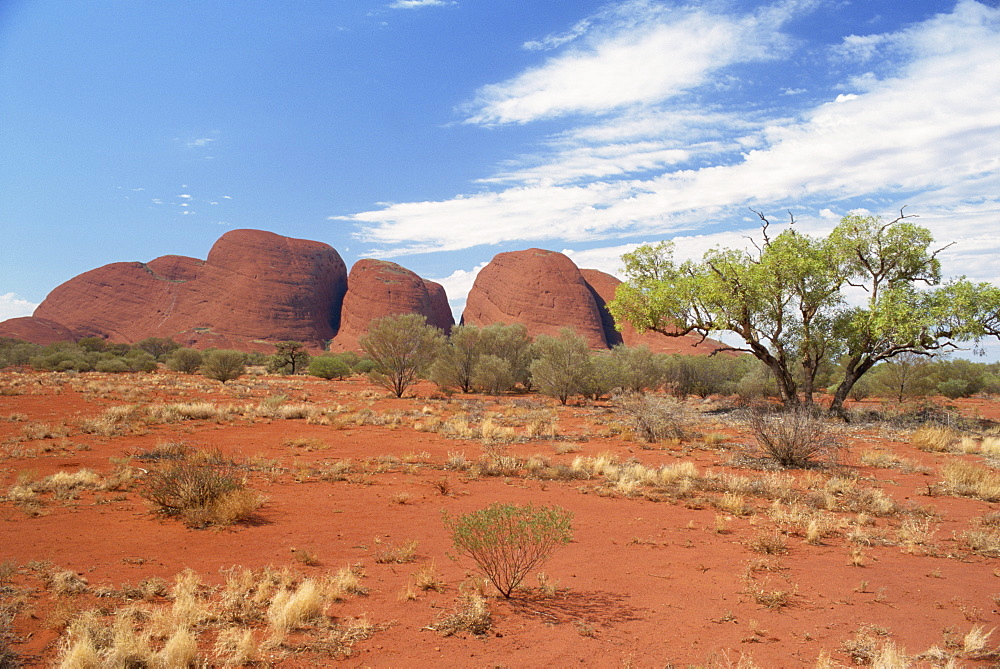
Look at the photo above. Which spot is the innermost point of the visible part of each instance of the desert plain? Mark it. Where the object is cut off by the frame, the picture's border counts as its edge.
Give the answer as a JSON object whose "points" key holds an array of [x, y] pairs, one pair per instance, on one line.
{"points": [[686, 551]]}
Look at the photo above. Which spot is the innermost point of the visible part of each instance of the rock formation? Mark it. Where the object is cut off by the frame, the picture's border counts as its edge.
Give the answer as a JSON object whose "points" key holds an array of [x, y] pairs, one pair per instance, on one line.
{"points": [[255, 287], [603, 286], [544, 290], [377, 288], [38, 330]]}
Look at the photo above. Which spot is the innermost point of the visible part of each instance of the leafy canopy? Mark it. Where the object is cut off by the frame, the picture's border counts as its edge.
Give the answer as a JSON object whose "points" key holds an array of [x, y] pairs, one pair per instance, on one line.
{"points": [[868, 292]]}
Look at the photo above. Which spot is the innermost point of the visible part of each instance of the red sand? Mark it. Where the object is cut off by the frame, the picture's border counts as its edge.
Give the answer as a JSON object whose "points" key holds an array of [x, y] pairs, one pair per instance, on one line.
{"points": [[643, 583]]}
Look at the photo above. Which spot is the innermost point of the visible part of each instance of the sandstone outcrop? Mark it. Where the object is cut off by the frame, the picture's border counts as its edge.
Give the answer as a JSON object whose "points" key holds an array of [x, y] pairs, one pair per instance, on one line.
{"points": [[255, 287], [603, 286], [377, 288], [38, 330], [544, 290]]}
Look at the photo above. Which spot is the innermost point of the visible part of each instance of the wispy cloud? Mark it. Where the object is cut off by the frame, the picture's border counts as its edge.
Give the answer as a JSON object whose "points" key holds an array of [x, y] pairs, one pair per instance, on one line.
{"points": [[12, 306], [919, 130], [418, 4], [641, 54]]}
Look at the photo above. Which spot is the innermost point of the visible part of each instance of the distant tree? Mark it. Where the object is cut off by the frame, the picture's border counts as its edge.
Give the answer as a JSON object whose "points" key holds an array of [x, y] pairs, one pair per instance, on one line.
{"points": [[289, 357], [223, 365], [402, 347], [561, 365], [456, 363], [512, 344], [92, 344], [786, 300], [158, 347], [186, 360], [493, 374], [636, 369]]}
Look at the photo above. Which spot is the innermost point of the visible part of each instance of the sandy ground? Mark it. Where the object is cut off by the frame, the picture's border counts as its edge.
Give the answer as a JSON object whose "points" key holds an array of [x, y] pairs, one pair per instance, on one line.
{"points": [[651, 578]]}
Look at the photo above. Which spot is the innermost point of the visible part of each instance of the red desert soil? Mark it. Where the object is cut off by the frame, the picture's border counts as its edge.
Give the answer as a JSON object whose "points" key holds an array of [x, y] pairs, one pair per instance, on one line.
{"points": [[653, 577]]}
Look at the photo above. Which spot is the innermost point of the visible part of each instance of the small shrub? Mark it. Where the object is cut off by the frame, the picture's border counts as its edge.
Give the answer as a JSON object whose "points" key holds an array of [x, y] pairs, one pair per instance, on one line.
{"points": [[393, 554], [185, 360], [224, 365], [203, 493], [969, 480], [794, 438], [329, 367], [653, 418], [472, 614], [508, 541]]}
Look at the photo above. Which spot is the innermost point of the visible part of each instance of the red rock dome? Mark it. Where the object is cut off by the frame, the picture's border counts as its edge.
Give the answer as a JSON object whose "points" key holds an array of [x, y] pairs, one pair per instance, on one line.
{"points": [[254, 286], [544, 290], [377, 288]]}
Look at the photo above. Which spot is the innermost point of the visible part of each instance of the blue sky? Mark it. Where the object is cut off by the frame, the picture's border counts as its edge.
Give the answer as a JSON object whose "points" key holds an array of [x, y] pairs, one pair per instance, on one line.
{"points": [[438, 133]]}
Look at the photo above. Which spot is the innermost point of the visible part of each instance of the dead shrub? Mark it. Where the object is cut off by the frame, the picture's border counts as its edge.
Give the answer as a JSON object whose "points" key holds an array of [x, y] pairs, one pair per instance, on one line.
{"points": [[471, 614], [393, 554], [654, 418], [793, 438], [934, 438], [201, 490], [966, 479]]}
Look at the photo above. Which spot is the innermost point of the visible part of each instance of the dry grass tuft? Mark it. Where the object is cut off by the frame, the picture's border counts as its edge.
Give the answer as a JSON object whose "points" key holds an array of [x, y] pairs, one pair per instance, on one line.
{"points": [[934, 438], [471, 614], [966, 479], [393, 554]]}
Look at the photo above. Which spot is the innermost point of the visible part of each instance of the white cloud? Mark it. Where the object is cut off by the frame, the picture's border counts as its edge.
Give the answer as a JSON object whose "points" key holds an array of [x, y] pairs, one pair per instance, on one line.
{"points": [[926, 136], [418, 4], [11, 306], [457, 286], [643, 56]]}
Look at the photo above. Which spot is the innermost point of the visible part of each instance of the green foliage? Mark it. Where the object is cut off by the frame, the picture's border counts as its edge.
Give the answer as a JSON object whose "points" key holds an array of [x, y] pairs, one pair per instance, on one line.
{"points": [[111, 366], [92, 344], [494, 358], [223, 365], [561, 366], [786, 300], [636, 369], [954, 388], [456, 363], [16, 352], [702, 375], [289, 357], [508, 541], [402, 348], [158, 347], [185, 360], [512, 344], [329, 367], [493, 374]]}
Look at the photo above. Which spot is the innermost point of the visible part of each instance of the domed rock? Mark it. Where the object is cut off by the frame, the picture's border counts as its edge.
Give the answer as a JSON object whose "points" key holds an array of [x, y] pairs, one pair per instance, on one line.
{"points": [[254, 286], [544, 290], [377, 288], [603, 286], [37, 330]]}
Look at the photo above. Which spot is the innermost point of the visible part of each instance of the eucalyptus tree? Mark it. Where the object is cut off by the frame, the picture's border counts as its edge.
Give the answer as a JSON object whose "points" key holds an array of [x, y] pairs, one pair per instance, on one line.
{"points": [[866, 293]]}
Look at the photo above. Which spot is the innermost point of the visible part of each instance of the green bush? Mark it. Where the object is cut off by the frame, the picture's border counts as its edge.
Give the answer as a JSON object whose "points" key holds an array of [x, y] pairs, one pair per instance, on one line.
{"points": [[402, 347], [493, 374], [223, 365], [158, 347], [561, 365], [111, 366], [329, 367], [955, 388], [508, 541], [185, 360]]}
